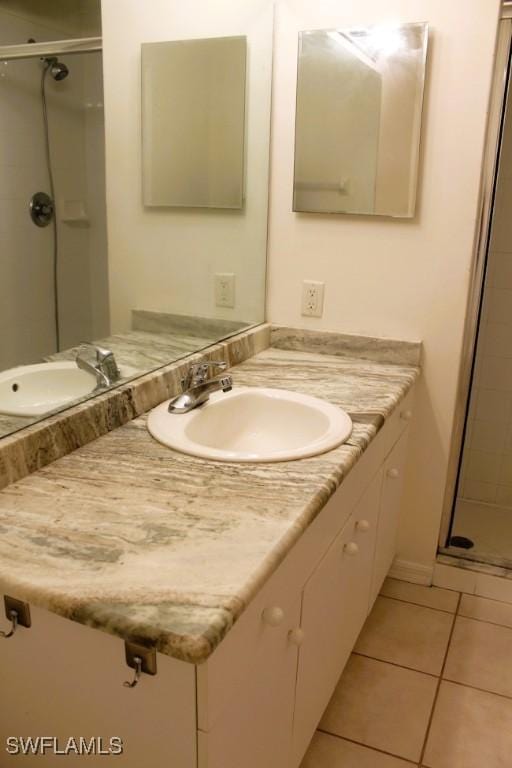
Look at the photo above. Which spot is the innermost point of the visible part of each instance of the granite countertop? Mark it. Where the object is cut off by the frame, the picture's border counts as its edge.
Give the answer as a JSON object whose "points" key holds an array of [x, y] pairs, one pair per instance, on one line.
{"points": [[130, 537]]}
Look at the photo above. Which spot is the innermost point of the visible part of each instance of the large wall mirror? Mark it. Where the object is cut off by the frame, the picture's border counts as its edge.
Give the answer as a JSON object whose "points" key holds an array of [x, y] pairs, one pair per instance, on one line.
{"points": [[95, 250], [358, 120]]}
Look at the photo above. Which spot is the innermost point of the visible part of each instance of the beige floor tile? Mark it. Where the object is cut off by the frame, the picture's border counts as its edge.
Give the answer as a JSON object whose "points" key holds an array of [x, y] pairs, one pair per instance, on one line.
{"points": [[382, 706], [486, 610], [328, 751], [406, 634], [480, 655], [470, 729], [430, 597]]}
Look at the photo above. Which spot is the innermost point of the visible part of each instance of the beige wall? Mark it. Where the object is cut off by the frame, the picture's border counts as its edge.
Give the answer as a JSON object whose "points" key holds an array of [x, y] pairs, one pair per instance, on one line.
{"points": [[162, 259], [403, 279]]}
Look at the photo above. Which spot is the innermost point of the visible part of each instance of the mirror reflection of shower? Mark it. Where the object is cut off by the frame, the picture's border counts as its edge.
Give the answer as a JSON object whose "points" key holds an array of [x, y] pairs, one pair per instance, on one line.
{"points": [[54, 289], [59, 71]]}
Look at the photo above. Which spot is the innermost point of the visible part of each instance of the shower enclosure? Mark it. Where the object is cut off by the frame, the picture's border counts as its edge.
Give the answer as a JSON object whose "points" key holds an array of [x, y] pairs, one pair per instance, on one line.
{"points": [[479, 527], [53, 245]]}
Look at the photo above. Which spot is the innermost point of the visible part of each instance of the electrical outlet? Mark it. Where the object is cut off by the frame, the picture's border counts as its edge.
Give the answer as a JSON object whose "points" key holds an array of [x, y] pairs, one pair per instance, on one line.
{"points": [[312, 298], [224, 289]]}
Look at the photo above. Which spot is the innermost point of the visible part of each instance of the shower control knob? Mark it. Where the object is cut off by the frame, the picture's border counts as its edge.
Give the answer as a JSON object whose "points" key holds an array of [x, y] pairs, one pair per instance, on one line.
{"points": [[394, 474], [41, 209], [351, 549], [363, 526]]}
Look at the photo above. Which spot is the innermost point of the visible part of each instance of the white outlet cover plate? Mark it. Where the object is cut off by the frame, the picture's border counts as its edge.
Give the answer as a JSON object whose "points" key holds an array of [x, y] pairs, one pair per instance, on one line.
{"points": [[312, 304], [225, 289]]}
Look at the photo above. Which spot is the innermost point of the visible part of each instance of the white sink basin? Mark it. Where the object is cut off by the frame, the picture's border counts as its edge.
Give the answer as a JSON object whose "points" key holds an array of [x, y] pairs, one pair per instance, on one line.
{"points": [[252, 424], [33, 390]]}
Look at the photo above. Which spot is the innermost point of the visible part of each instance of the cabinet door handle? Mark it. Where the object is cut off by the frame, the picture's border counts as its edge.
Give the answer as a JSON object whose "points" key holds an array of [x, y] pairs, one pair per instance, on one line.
{"points": [[273, 616], [363, 526], [393, 473], [406, 415], [296, 636], [351, 548]]}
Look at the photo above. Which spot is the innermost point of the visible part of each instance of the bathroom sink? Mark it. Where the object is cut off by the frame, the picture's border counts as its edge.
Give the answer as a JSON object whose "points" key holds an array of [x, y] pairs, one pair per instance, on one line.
{"points": [[33, 390], [253, 424]]}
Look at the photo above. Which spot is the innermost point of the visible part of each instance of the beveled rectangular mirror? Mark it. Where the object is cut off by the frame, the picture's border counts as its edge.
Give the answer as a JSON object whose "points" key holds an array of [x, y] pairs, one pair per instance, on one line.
{"points": [[193, 107], [358, 119]]}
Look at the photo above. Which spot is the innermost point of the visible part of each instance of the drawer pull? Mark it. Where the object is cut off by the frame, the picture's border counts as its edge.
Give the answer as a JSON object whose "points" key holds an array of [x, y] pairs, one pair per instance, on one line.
{"points": [[394, 473], [363, 526], [273, 616], [351, 548], [406, 415], [296, 636]]}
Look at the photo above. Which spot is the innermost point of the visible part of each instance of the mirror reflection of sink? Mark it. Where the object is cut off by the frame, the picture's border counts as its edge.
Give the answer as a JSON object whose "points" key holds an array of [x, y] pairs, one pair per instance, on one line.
{"points": [[34, 390], [253, 424]]}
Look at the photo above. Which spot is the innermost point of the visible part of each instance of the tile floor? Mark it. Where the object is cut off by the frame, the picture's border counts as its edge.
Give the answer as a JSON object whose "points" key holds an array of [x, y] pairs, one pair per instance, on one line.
{"points": [[429, 684]]}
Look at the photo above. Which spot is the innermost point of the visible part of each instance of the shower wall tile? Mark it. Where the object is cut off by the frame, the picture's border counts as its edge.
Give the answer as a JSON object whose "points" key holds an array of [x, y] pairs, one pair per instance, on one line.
{"points": [[482, 466], [504, 495], [478, 491], [488, 436]]}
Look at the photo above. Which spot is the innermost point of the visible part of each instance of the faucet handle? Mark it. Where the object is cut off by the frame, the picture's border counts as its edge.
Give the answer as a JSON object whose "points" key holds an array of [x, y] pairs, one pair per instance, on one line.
{"points": [[198, 373], [102, 353]]}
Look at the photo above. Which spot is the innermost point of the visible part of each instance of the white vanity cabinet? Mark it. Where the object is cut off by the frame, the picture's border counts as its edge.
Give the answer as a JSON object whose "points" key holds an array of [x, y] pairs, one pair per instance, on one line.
{"points": [[256, 701], [263, 691]]}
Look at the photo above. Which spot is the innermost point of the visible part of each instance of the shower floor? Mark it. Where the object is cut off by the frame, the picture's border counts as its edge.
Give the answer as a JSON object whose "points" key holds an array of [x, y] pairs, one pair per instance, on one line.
{"points": [[489, 527]]}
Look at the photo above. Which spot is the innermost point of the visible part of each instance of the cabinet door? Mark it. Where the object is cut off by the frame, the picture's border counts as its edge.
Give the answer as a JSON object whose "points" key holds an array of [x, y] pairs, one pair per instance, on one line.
{"points": [[389, 514], [255, 729], [334, 607]]}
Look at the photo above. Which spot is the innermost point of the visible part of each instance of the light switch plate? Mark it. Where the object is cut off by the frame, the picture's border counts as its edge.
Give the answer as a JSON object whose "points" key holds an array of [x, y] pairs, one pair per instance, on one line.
{"points": [[225, 289], [312, 298]]}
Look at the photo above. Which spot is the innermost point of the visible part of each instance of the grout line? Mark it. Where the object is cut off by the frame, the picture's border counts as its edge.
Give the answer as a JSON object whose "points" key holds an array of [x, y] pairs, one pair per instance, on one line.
{"points": [[367, 746], [476, 688], [419, 605], [485, 621], [436, 695], [395, 664]]}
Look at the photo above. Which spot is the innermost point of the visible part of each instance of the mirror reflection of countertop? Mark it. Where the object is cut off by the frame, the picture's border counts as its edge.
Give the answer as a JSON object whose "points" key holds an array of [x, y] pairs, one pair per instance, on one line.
{"points": [[130, 537], [137, 351]]}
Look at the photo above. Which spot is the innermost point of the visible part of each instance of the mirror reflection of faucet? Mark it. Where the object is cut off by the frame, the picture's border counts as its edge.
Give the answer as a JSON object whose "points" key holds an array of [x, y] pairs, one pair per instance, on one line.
{"points": [[104, 367], [197, 387]]}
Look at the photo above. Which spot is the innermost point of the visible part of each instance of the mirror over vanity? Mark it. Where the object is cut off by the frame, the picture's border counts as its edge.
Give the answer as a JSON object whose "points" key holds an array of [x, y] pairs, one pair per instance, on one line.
{"points": [[358, 119], [151, 150]]}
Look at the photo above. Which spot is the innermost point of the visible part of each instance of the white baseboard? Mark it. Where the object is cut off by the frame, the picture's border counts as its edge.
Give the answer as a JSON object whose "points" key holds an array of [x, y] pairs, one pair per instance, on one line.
{"points": [[412, 572]]}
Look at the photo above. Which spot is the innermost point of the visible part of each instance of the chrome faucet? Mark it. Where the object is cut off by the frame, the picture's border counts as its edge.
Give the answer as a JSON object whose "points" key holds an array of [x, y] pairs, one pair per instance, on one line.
{"points": [[104, 367], [197, 387]]}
